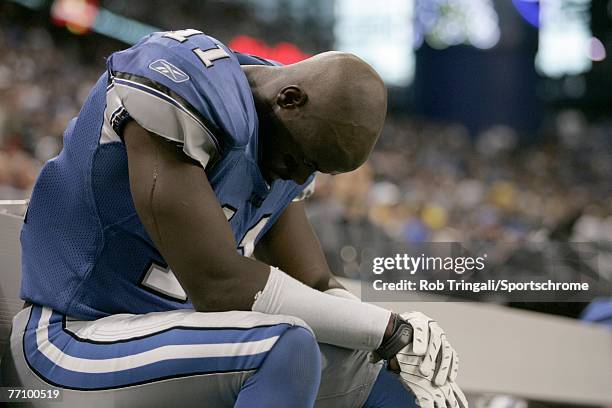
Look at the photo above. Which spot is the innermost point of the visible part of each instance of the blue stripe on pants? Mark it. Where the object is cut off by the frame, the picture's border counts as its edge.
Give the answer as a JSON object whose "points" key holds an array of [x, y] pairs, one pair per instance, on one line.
{"points": [[156, 370]]}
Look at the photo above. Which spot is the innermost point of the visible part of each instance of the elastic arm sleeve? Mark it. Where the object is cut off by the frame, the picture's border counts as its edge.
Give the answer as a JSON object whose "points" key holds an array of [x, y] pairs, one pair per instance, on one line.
{"points": [[334, 320], [342, 293]]}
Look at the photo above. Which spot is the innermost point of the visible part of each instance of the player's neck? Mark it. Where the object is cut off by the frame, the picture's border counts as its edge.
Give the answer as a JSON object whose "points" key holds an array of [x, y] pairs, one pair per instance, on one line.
{"points": [[261, 80]]}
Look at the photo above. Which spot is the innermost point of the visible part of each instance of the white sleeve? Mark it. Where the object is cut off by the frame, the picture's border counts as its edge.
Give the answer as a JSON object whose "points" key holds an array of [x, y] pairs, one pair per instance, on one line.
{"points": [[342, 293], [334, 320]]}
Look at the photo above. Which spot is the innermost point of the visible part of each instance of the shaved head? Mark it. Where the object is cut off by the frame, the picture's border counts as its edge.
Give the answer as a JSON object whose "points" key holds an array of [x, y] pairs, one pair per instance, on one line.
{"points": [[330, 107]]}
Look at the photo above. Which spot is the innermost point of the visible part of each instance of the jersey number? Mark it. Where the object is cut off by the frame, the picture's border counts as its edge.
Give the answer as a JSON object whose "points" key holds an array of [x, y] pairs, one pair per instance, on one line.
{"points": [[206, 56], [163, 281]]}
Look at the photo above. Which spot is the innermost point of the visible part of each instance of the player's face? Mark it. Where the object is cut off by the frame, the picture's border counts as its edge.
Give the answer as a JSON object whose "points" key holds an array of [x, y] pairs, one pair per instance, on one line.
{"points": [[296, 143], [286, 160]]}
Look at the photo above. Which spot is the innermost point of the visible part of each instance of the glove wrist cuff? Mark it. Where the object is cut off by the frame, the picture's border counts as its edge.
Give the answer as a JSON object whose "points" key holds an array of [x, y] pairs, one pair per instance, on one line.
{"points": [[401, 336]]}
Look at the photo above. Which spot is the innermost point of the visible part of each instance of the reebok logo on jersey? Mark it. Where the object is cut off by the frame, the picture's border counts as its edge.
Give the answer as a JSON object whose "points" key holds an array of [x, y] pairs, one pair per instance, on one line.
{"points": [[167, 69]]}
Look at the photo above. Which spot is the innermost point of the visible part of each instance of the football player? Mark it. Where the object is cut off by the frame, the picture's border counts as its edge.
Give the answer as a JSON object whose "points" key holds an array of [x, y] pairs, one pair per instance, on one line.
{"points": [[167, 257]]}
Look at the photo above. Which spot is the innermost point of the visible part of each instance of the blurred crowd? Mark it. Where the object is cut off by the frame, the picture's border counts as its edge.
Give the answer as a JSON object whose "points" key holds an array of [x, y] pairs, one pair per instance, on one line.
{"points": [[433, 182], [41, 89], [428, 181], [425, 182]]}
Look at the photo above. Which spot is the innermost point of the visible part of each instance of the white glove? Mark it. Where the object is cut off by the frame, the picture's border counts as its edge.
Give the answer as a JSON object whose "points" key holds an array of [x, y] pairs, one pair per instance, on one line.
{"points": [[438, 360], [428, 394]]}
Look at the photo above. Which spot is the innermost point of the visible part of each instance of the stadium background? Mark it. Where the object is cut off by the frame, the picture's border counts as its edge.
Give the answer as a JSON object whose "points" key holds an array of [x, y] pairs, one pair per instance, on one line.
{"points": [[499, 126]]}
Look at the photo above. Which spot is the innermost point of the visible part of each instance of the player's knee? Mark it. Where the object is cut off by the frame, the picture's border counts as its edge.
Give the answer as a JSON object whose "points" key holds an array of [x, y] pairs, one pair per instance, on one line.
{"points": [[302, 349], [298, 353], [289, 376], [302, 339]]}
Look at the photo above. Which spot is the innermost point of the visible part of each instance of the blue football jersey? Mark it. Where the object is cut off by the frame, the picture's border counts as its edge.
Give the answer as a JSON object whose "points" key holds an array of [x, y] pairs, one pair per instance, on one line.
{"points": [[85, 252]]}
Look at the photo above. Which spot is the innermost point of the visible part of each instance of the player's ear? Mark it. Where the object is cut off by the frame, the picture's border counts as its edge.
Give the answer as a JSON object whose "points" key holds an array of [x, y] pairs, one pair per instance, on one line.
{"points": [[291, 97]]}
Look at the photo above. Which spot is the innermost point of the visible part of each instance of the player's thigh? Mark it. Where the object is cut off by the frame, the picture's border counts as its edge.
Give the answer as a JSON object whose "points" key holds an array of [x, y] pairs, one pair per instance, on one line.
{"points": [[347, 377], [218, 390], [180, 358]]}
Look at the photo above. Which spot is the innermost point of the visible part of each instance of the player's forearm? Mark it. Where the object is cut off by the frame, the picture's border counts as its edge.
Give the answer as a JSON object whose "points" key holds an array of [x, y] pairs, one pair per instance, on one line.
{"points": [[181, 214], [216, 278], [228, 281], [232, 286], [214, 275]]}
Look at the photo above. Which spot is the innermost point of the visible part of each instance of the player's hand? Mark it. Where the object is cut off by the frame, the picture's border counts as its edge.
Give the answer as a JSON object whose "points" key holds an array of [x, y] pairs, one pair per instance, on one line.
{"points": [[437, 359], [427, 393]]}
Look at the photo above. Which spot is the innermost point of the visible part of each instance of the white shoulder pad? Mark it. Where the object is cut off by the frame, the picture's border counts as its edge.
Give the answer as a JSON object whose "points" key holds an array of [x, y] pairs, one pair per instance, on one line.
{"points": [[161, 114]]}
